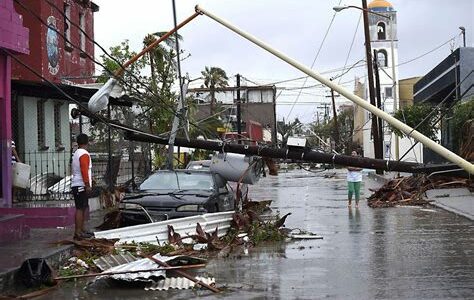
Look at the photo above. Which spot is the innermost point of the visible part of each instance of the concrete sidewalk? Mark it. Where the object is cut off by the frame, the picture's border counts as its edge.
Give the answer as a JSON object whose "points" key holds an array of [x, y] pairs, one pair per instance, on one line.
{"points": [[459, 201], [40, 244]]}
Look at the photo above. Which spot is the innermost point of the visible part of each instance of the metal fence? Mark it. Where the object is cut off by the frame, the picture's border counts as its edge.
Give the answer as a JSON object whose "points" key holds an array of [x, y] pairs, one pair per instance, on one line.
{"points": [[50, 176]]}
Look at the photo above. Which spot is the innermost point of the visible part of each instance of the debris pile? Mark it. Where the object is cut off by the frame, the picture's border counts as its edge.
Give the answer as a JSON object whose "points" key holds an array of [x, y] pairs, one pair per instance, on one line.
{"points": [[162, 264], [411, 190]]}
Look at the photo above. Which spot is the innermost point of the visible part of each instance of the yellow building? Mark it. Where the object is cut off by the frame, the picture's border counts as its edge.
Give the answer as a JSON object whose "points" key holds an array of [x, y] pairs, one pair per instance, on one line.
{"points": [[405, 87]]}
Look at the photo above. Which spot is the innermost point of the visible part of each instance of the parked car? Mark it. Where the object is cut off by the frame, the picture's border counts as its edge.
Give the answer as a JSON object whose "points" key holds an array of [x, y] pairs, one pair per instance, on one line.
{"points": [[170, 194]]}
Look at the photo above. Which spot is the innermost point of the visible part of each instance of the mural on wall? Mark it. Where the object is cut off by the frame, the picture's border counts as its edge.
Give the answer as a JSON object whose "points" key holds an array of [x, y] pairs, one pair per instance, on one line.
{"points": [[52, 46]]}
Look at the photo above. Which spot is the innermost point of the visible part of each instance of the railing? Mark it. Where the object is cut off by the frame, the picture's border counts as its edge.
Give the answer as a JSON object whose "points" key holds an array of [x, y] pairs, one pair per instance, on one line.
{"points": [[50, 177]]}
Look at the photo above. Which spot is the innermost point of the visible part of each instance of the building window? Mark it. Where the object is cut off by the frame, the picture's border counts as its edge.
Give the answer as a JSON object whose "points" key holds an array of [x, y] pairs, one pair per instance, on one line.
{"points": [[41, 125], [57, 125], [388, 92], [67, 27], [381, 31], [382, 58], [82, 25]]}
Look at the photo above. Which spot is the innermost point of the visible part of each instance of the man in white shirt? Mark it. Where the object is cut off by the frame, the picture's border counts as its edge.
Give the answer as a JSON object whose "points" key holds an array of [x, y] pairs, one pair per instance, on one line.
{"points": [[354, 178], [81, 184]]}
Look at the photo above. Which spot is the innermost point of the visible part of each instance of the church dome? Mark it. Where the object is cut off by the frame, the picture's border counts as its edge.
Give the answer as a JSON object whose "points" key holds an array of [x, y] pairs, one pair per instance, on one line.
{"points": [[380, 5]]}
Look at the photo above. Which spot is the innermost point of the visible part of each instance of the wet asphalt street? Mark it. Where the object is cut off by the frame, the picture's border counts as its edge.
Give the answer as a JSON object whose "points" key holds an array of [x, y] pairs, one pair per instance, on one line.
{"points": [[397, 253]]}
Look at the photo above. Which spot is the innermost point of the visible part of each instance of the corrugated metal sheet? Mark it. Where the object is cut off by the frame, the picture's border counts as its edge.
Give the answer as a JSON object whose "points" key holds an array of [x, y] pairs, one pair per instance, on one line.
{"points": [[157, 232], [179, 283], [146, 264], [110, 261]]}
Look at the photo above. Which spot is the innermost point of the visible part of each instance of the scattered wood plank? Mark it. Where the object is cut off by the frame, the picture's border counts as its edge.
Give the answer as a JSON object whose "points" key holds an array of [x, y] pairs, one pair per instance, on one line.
{"points": [[411, 190]]}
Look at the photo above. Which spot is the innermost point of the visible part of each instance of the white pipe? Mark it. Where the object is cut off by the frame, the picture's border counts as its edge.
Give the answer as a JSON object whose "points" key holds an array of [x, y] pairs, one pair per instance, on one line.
{"points": [[450, 156]]}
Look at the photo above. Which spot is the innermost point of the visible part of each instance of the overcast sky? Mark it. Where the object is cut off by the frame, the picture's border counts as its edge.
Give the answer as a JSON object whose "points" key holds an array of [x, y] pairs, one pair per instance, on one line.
{"points": [[296, 28]]}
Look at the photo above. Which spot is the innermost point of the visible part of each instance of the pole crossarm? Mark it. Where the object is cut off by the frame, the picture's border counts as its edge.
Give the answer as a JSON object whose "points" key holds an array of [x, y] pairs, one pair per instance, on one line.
{"points": [[450, 156]]}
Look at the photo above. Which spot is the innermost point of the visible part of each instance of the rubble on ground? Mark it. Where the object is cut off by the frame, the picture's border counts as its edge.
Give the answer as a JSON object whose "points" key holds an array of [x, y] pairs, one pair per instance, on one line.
{"points": [[411, 190], [102, 258]]}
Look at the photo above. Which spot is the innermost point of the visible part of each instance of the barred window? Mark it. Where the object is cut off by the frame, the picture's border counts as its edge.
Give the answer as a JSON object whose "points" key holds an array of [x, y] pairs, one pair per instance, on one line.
{"points": [[67, 27], [388, 92], [57, 124], [82, 25], [40, 124]]}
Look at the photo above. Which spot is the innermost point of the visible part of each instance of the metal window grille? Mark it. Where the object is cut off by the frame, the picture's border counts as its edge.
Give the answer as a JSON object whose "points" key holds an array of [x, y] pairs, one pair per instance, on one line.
{"points": [[82, 24], [388, 92], [41, 123], [57, 124], [67, 26]]}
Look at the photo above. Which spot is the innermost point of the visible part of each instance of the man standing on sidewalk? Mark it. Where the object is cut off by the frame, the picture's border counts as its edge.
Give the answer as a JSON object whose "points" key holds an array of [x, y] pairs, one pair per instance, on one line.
{"points": [[81, 184]]}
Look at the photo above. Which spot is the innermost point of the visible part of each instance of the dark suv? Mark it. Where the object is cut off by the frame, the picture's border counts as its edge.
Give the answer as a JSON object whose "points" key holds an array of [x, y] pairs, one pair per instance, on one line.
{"points": [[174, 194]]}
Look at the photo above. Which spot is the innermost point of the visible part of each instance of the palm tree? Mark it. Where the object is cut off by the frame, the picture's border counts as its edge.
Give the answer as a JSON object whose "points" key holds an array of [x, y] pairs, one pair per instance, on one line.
{"points": [[214, 77]]}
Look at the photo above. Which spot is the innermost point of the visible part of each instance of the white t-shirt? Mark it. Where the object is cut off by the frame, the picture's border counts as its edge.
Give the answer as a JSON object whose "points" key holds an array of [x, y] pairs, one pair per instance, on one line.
{"points": [[76, 168], [354, 176]]}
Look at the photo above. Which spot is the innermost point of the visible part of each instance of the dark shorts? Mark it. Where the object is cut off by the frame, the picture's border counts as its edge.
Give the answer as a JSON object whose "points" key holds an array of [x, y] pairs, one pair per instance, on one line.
{"points": [[81, 199]]}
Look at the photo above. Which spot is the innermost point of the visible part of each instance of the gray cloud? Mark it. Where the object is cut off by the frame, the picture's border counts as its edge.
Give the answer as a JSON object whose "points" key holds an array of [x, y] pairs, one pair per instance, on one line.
{"points": [[293, 27]]}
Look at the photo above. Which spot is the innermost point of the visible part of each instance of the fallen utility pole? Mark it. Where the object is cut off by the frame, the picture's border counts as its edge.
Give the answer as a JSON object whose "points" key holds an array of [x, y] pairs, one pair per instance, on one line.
{"points": [[284, 153], [301, 154], [410, 132]]}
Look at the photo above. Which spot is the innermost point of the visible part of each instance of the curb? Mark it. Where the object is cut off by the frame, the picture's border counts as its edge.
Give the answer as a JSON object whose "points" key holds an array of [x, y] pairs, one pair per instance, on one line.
{"points": [[453, 210], [54, 259]]}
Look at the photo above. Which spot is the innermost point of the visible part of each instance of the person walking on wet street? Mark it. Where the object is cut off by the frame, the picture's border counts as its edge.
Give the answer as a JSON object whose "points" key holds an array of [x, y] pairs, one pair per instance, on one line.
{"points": [[354, 179], [81, 184]]}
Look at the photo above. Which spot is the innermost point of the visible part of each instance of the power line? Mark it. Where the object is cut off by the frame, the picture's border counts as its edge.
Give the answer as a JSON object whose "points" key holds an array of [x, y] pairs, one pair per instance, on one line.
{"points": [[167, 106], [426, 53], [350, 49], [364, 65], [317, 55]]}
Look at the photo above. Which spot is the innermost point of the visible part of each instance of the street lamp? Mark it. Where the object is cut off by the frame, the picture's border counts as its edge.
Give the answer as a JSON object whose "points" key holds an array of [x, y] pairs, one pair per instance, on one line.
{"points": [[463, 32], [367, 41]]}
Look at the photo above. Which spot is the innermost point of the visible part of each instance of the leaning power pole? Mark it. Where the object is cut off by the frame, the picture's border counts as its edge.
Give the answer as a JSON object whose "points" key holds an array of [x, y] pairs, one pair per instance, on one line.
{"points": [[239, 113], [370, 72]]}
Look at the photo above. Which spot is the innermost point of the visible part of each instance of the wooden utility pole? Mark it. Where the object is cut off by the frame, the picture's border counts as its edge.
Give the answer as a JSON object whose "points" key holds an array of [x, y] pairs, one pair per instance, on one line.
{"points": [[285, 153], [379, 100], [326, 111], [336, 126], [368, 53], [239, 121]]}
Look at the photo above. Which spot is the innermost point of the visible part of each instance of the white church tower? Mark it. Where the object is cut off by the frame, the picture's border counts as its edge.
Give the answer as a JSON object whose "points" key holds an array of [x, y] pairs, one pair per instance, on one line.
{"points": [[384, 41]]}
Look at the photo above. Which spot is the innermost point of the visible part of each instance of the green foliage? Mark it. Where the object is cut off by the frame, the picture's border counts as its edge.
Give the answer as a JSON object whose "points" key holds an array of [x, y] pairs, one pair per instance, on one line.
{"points": [[462, 112], [413, 115], [155, 99], [214, 77], [265, 232], [148, 248], [327, 130], [289, 129]]}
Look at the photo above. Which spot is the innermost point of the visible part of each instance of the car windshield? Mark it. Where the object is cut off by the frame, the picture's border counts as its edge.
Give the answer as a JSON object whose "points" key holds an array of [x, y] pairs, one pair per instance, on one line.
{"points": [[178, 181], [199, 165]]}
